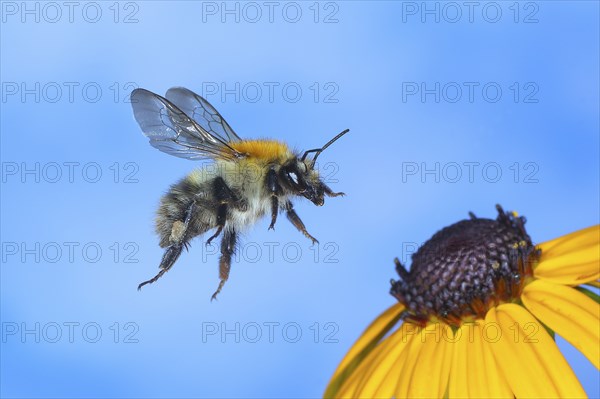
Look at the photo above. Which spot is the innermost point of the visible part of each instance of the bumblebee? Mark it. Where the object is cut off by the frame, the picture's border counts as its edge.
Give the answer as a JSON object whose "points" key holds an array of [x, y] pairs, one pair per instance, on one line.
{"points": [[247, 180]]}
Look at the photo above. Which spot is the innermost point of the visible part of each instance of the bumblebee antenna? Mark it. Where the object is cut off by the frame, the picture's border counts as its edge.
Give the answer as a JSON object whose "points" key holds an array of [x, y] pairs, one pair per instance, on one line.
{"points": [[320, 150]]}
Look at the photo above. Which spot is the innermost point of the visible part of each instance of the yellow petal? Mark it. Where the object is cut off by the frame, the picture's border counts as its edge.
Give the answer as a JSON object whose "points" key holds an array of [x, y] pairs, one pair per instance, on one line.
{"points": [[594, 284], [430, 376], [495, 383], [355, 384], [446, 364], [518, 364], [361, 374], [459, 374], [351, 383], [367, 341], [570, 313], [375, 381], [573, 259], [403, 375], [530, 360], [396, 371], [475, 373], [573, 241]]}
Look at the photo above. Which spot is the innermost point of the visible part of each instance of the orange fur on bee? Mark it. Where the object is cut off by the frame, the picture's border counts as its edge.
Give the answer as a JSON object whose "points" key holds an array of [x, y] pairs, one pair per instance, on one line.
{"points": [[265, 150]]}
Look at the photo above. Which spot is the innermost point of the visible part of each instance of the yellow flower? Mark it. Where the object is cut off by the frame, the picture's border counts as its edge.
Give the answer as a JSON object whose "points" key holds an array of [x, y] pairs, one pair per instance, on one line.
{"points": [[480, 306]]}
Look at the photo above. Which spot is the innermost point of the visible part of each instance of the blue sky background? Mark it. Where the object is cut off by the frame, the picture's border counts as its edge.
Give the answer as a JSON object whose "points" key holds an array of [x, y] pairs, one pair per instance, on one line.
{"points": [[543, 56]]}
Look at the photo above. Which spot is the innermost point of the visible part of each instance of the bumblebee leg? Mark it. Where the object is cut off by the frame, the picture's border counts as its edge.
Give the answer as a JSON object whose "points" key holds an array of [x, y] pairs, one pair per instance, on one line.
{"points": [[227, 250], [221, 219], [168, 260], [296, 221], [274, 188], [178, 236], [225, 196], [274, 211], [329, 192], [224, 193]]}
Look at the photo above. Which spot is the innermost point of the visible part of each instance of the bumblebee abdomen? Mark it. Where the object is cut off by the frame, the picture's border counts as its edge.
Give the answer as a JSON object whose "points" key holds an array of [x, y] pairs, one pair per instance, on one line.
{"points": [[173, 207]]}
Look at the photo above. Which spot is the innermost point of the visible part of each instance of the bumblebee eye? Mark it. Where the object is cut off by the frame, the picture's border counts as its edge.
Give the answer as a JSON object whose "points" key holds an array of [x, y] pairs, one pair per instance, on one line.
{"points": [[293, 177]]}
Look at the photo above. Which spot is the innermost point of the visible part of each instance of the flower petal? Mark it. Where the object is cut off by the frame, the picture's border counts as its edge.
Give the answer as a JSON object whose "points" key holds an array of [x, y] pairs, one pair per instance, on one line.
{"points": [[430, 376], [529, 358], [446, 364], [356, 383], [572, 314], [589, 293], [572, 259], [361, 348], [594, 284], [573, 241], [397, 369], [376, 380], [459, 374], [406, 369], [475, 373], [495, 382], [350, 385]]}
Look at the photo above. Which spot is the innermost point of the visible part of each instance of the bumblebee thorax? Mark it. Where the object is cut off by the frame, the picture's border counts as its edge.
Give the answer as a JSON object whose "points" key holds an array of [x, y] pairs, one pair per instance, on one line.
{"points": [[265, 150]]}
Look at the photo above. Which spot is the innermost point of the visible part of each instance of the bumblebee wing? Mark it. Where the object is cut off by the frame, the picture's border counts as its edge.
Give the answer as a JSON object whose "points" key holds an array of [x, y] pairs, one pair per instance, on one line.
{"points": [[171, 131], [202, 112]]}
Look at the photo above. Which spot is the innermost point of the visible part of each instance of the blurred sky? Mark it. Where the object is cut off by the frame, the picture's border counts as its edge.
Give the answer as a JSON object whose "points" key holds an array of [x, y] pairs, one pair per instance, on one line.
{"points": [[450, 111]]}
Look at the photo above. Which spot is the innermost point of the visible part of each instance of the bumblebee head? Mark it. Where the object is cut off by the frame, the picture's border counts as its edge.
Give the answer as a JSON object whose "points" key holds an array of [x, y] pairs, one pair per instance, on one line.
{"points": [[300, 177]]}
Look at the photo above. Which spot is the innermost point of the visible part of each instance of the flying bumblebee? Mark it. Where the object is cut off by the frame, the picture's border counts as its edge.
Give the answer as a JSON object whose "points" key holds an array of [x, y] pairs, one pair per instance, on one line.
{"points": [[248, 179]]}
